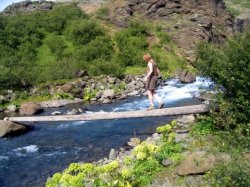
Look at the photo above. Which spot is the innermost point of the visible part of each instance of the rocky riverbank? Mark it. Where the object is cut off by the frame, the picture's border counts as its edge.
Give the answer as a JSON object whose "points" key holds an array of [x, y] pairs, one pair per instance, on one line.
{"points": [[102, 89], [180, 163]]}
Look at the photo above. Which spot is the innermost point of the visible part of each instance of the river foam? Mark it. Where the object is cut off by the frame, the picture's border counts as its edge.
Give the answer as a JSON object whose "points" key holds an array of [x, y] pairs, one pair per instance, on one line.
{"points": [[23, 151]]}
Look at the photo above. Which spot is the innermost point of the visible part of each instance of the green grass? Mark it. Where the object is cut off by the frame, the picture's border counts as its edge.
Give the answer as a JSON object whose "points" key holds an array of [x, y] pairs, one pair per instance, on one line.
{"points": [[44, 55], [235, 12], [135, 70], [245, 5]]}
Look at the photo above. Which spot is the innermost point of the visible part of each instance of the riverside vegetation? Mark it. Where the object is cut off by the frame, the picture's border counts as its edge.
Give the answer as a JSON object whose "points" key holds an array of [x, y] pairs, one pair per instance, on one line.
{"points": [[225, 131], [50, 46]]}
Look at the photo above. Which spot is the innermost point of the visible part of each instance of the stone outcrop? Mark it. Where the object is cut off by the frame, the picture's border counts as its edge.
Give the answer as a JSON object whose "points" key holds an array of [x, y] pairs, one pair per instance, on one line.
{"points": [[30, 108], [185, 76], [28, 6], [8, 128], [187, 21], [199, 162], [59, 103]]}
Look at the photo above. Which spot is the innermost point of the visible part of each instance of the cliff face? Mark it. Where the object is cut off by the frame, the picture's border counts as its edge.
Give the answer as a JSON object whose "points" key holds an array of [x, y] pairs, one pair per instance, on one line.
{"points": [[28, 6], [187, 21]]}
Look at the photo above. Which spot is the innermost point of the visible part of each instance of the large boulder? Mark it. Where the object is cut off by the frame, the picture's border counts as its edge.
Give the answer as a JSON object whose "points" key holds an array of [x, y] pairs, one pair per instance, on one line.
{"points": [[11, 108], [185, 76], [200, 162], [8, 128], [30, 108], [110, 94], [2, 99]]}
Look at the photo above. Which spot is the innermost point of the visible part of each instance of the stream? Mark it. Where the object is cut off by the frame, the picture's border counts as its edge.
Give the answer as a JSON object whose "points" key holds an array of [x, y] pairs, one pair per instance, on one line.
{"points": [[28, 160]]}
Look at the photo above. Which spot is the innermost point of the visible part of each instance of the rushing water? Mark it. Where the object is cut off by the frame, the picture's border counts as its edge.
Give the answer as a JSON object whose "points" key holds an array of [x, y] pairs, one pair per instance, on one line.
{"points": [[29, 159]]}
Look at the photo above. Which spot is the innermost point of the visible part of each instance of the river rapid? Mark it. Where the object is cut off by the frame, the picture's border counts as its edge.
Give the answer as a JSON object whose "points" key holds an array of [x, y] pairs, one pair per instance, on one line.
{"points": [[28, 160]]}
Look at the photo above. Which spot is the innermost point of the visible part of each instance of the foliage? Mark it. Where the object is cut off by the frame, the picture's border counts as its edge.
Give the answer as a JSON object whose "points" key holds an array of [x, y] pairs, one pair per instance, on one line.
{"points": [[132, 44], [100, 66], [203, 127], [89, 94], [83, 31], [235, 173], [229, 66], [99, 48], [56, 46], [167, 131], [138, 169], [63, 96]]}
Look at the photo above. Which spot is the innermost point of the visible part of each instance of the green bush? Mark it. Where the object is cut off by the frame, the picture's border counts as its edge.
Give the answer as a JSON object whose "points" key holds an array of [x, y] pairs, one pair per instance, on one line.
{"points": [[82, 32], [235, 173], [56, 20], [99, 48], [203, 127], [132, 44], [56, 46], [229, 66], [100, 66]]}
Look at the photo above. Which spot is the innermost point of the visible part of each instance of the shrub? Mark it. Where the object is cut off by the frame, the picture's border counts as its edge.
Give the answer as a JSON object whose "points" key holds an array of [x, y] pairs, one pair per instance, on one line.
{"points": [[229, 66], [101, 66], [235, 173], [83, 31], [56, 46], [99, 48], [132, 44]]}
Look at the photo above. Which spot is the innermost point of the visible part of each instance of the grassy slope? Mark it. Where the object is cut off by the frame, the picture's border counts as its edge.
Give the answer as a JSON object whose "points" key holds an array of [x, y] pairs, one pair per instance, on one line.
{"points": [[239, 8]]}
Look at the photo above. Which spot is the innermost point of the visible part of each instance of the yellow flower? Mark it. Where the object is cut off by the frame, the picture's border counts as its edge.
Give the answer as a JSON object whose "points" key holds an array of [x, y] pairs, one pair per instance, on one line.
{"points": [[125, 173], [141, 156]]}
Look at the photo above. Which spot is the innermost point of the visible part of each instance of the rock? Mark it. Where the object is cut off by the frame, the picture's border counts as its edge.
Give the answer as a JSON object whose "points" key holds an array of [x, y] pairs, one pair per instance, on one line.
{"points": [[185, 76], [112, 154], [134, 142], [28, 6], [110, 93], [1, 109], [156, 136], [8, 128], [2, 99], [56, 113], [106, 101], [134, 93], [59, 103], [182, 131], [186, 119], [195, 181], [11, 108], [72, 112], [166, 162], [111, 80], [196, 163], [81, 73], [123, 96], [205, 96], [189, 78], [30, 108], [98, 95]]}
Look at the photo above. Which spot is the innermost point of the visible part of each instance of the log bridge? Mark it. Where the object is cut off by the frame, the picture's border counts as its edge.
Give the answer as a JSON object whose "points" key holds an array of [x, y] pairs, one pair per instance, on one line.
{"points": [[194, 109]]}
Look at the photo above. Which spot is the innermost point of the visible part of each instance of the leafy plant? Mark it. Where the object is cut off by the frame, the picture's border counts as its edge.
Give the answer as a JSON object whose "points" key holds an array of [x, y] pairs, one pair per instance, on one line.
{"points": [[229, 66]]}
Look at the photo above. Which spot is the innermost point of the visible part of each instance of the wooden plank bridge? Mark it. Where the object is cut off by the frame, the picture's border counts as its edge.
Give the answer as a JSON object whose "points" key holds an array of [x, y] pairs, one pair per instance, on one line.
{"points": [[194, 109]]}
